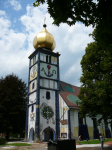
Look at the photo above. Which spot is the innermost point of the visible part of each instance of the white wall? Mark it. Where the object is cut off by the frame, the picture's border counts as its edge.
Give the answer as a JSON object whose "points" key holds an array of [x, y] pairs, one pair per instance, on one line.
{"points": [[31, 119], [63, 105]]}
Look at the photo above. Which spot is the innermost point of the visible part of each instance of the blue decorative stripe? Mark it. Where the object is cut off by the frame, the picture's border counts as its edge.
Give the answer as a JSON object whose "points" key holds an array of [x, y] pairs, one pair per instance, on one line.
{"points": [[38, 101], [57, 116], [32, 92], [32, 80], [69, 127], [31, 104], [57, 104], [27, 111]]}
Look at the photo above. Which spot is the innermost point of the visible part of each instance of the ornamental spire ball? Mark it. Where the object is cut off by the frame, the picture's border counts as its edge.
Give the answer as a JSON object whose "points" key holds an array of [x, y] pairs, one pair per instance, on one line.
{"points": [[44, 39]]}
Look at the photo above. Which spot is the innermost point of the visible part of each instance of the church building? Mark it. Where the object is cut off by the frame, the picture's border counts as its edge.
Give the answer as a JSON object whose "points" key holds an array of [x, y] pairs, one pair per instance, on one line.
{"points": [[52, 110]]}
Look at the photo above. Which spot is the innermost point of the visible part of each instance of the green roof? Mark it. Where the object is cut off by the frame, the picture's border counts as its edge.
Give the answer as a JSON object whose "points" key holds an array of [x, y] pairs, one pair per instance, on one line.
{"points": [[69, 89], [73, 98]]}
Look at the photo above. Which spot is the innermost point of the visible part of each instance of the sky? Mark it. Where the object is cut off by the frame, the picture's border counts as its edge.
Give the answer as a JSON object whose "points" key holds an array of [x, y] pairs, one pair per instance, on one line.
{"points": [[20, 22]]}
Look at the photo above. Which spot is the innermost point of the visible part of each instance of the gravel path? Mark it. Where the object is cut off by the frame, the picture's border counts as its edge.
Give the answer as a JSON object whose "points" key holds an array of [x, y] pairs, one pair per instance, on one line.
{"points": [[43, 146]]}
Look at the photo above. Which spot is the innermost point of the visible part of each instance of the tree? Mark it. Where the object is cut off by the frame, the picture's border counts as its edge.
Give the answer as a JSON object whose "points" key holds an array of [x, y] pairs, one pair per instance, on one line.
{"points": [[69, 11], [90, 12], [96, 90], [13, 92]]}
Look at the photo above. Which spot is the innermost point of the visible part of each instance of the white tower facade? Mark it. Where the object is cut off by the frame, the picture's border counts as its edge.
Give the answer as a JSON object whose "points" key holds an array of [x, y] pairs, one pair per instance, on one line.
{"points": [[42, 117]]}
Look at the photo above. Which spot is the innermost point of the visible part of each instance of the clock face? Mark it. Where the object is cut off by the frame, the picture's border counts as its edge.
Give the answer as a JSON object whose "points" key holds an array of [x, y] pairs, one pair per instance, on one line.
{"points": [[33, 72], [48, 71]]}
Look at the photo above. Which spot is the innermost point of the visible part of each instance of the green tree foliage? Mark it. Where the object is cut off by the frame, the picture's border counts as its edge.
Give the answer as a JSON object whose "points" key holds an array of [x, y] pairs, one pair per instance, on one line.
{"points": [[97, 13], [96, 79], [70, 11], [13, 92]]}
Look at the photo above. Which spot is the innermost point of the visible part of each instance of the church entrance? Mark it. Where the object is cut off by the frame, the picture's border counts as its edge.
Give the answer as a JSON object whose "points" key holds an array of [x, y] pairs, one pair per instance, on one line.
{"points": [[48, 134], [31, 135]]}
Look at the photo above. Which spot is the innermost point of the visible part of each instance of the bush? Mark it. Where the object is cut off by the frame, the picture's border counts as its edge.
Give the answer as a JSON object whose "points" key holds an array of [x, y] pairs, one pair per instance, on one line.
{"points": [[2, 141]]}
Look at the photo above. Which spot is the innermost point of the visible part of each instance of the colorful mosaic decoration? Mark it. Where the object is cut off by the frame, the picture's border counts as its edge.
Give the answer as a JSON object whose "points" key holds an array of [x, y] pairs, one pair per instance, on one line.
{"points": [[32, 116], [73, 98], [46, 111], [49, 74], [69, 89]]}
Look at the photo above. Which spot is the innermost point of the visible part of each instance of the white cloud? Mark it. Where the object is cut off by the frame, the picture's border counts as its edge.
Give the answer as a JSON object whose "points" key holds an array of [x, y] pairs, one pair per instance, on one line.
{"points": [[12, 52], [15, 4], [2, 13], [70, 42]]}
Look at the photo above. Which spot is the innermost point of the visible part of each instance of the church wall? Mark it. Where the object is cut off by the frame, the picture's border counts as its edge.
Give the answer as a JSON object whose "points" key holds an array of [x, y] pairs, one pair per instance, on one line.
{"points": [[45, 105], [72, 122], [89, 123], [109, 126], [76, 124], [63, 128], [32, 112], [31, 118]]}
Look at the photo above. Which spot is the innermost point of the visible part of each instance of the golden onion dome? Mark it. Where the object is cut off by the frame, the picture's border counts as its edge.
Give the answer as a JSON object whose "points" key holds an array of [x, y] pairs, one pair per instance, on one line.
{"points": [[44, 39]]}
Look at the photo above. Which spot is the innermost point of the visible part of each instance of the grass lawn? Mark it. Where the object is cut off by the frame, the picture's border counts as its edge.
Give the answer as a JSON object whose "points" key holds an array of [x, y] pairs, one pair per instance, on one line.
{"points": [[17, 144], [94, 141]]}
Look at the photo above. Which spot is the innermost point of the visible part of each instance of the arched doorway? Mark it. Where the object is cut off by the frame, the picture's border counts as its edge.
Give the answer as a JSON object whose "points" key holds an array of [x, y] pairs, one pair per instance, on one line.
{"points": [[49, 134], [31, 135]]}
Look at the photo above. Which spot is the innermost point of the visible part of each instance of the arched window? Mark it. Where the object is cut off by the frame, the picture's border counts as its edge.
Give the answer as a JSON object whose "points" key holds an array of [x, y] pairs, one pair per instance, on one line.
{"points": [[47, 95], [32, 108]]}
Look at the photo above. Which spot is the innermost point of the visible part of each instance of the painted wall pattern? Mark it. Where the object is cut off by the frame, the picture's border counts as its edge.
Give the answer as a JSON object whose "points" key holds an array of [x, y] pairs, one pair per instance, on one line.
{"points": [[32, 117], [48, 83], [48, 71], [33, 72], [47, 110], [32, 98], [33, 86]]}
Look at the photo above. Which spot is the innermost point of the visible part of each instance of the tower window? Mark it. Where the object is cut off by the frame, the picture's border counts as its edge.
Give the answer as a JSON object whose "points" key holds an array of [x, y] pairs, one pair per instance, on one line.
{"points": [[33, 85], [47, 95], [32, 108], [50, 59], [47, 59]]}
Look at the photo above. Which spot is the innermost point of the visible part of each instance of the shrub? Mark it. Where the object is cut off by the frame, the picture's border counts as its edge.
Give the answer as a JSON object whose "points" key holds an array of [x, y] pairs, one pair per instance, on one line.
{"points": [[2, 141]]}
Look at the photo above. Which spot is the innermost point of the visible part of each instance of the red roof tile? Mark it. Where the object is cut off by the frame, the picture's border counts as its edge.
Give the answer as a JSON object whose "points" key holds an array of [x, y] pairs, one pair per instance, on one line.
{"points": [[65, 93]]}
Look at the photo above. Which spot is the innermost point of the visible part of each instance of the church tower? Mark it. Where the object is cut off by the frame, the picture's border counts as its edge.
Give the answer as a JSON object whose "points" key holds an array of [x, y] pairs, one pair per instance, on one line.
{"points": [[42, 116]]}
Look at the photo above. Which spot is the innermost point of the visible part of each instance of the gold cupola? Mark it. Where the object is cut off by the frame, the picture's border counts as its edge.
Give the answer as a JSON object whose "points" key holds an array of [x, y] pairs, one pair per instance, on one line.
{"points": [[44, 39]]}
